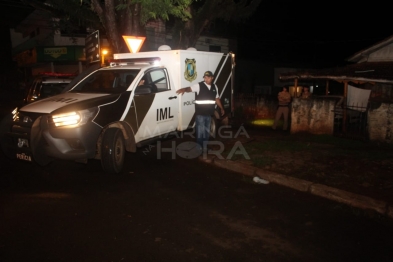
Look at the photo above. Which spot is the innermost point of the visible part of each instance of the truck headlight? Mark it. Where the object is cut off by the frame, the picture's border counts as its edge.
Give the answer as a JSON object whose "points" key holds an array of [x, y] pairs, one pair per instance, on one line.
{"points": [[74, 118]]}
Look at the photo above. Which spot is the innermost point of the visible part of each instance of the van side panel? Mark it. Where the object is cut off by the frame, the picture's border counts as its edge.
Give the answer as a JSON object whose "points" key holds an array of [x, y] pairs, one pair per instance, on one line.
{"points": [[223, 80], [186, 67], [200, 62], [138, 111]]}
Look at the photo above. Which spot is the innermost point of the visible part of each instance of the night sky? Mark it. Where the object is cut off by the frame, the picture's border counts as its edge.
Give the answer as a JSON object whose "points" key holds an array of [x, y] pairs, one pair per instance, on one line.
{"points": [[313, 32], [285, 32]]}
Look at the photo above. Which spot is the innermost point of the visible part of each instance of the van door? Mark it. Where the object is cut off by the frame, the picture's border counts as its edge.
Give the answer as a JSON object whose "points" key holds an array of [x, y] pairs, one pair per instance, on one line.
{"points": [[156, 105]]}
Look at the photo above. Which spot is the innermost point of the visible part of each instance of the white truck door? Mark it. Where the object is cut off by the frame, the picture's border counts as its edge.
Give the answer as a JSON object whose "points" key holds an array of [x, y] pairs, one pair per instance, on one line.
{"points": [[156, 105]]}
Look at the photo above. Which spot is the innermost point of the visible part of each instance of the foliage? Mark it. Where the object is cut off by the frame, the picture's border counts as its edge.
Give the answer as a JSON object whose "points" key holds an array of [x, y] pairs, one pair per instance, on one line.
{"points": [[115, 18], [68, 16], [204, 13], [112, 17], [277, 146], [153, 9]]}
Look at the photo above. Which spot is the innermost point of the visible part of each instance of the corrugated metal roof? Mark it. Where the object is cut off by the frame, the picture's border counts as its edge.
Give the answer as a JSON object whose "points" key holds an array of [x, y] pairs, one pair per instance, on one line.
{"points": [[361, 55], [377, 72]]}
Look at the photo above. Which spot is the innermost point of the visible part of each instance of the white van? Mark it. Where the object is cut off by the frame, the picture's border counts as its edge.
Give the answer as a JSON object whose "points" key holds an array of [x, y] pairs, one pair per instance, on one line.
{"points": [[105, 113]]}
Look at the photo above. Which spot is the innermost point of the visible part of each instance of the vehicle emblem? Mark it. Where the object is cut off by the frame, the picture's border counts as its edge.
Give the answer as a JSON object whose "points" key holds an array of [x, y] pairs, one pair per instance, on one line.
{"points": [[190, 73]]}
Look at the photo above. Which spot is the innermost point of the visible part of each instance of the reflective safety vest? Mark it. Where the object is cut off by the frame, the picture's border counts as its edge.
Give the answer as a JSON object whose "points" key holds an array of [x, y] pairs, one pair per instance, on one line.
{"points": [[205, 101]]}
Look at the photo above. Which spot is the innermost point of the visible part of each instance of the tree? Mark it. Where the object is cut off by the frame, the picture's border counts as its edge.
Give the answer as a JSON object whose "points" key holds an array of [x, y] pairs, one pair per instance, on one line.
{"points": [[130, 16], [127, 17], [204, 13], [112, 17]]}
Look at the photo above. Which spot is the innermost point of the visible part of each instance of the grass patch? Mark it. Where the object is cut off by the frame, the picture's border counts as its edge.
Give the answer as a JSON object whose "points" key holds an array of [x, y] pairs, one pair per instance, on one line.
{"points": [[277, 146], [320, 146], [262, 161]]}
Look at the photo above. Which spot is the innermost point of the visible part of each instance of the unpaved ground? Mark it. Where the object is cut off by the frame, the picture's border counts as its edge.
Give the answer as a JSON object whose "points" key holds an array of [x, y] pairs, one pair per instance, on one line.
{"points": [[359, 167]]}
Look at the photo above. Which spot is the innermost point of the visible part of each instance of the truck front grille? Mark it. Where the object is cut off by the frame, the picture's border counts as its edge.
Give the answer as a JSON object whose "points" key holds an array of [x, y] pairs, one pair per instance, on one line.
{"points": [[22, 124]]}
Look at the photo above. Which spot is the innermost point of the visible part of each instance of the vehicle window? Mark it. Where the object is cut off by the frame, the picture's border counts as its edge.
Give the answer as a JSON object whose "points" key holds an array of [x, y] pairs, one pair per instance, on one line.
{"points": [[43, 87], [52, 89], [157, 75], [106, 81], [36, 86], [37, 89], [32, 94], [158, 80]]}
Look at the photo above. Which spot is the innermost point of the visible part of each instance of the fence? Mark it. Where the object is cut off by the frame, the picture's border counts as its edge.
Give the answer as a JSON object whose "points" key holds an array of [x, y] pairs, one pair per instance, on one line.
{"points": [[351, 122], [254, 106]]}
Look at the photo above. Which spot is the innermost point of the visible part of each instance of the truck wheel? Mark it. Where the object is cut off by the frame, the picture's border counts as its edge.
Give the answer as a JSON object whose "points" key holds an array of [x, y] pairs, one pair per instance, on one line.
{"points": [[112, 151], [213, 127]]}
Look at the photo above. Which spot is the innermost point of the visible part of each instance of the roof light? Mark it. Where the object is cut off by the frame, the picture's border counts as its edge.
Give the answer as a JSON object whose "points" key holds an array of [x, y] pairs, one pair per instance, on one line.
{"points": [[135, 61], [164, 48], [134, 43]]}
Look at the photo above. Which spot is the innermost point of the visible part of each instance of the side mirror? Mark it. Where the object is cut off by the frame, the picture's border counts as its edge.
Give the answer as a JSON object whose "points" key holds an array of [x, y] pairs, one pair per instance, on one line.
{"points": [[143, 89]]}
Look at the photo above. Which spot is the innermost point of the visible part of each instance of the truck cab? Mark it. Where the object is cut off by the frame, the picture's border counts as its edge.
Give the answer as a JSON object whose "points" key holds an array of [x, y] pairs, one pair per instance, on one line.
{"points": [[115, 109]]}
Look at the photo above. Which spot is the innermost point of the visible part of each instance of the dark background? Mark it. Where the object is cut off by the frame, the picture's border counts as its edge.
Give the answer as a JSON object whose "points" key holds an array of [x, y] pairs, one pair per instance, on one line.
{"points": [[321, 33], [282, 32], [11, 13]]}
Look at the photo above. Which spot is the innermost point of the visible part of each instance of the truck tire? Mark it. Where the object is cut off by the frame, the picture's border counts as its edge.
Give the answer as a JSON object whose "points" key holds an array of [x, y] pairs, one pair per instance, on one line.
{"points": [[213, 127], [112, 151]]}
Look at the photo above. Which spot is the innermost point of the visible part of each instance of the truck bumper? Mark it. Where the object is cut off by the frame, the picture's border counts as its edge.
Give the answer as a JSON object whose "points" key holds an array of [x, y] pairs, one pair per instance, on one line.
{"points": [[38, 141]]}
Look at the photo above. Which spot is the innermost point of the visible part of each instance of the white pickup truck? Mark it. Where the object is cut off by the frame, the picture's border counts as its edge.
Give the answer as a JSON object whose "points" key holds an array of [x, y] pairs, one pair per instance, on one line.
{"points": [[106, 112]]}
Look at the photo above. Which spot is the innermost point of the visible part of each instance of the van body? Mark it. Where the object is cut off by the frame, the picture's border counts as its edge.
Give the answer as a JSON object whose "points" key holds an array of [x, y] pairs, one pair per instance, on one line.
{"points": [[118, 108]]}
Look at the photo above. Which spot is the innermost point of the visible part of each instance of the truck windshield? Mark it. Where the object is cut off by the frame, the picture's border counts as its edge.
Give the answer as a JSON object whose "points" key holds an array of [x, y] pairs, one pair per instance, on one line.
{"points": [[106, 81]]}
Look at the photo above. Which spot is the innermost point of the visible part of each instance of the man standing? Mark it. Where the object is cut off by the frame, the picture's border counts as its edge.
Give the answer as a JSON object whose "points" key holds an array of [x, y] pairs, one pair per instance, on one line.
{"points": [[284, 98], [206, 98]]}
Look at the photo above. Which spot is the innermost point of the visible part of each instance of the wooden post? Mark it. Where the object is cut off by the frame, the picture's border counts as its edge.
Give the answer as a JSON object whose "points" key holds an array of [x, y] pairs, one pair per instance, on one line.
{"points": [[295, 91], [345, 106]]}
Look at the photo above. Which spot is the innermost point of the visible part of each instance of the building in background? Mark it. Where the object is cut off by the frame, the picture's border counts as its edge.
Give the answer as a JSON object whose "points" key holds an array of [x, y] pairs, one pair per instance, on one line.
{"points": [[37, 49]]}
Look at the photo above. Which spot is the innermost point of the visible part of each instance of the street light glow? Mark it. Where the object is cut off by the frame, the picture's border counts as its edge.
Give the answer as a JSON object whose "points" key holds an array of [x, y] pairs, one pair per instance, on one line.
{"points": [[104, 52]]}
